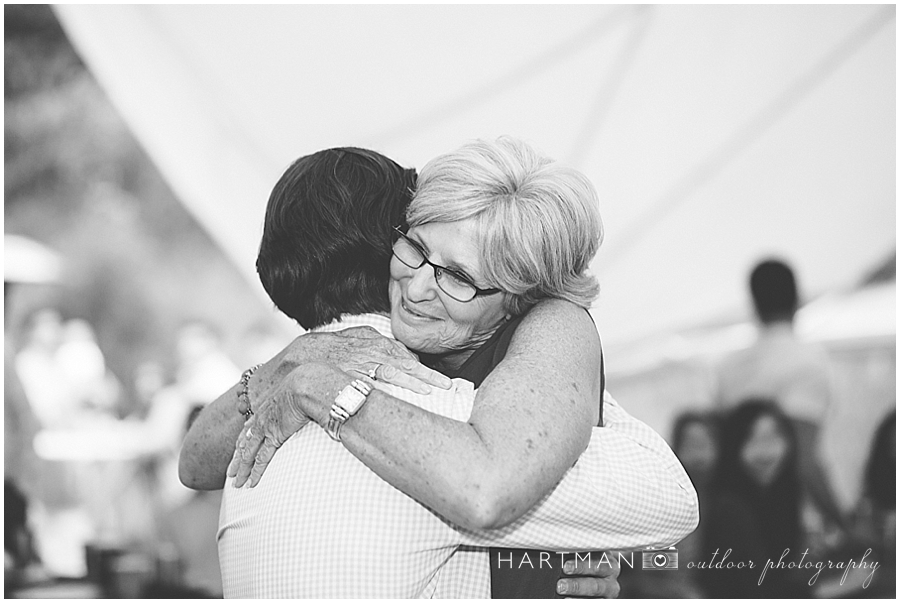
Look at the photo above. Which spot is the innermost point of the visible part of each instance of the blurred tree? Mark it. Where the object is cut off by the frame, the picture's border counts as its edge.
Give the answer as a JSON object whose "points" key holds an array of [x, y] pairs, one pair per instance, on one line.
{"points": [[137, 264]]}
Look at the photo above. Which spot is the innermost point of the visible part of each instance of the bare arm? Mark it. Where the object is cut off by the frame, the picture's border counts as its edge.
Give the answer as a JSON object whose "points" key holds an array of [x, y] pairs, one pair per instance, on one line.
{"points": [[531, 420], [627, 490], [209, 444]]}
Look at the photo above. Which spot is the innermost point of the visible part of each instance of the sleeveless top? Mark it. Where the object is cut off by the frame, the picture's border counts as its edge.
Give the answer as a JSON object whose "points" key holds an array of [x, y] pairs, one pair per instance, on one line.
{"points": [[517, 573]]}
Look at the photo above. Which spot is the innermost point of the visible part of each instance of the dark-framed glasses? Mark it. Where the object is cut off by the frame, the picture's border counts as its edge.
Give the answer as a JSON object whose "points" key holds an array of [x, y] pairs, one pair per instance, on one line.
{"points": [[454, 284]]}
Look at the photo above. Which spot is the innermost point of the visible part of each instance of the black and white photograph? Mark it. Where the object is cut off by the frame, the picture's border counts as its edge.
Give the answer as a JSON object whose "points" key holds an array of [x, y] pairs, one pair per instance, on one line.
{"points": [[451, 301]]}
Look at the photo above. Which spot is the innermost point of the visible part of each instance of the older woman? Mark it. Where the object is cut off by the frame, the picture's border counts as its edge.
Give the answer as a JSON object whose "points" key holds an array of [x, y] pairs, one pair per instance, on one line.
{"points": [[494, 229]]}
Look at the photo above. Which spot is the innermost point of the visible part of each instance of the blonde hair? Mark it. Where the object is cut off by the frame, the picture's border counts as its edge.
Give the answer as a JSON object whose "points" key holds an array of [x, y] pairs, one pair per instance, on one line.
{"points": [[537, 221]]}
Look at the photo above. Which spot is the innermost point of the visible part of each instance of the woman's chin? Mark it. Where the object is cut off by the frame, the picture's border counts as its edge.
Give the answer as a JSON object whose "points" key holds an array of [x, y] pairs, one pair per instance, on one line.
{"points": [[411, 335]]}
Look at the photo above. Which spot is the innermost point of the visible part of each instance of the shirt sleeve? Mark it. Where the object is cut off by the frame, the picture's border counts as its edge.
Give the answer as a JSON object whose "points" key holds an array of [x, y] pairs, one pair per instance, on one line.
{"points": [[627, 490]]}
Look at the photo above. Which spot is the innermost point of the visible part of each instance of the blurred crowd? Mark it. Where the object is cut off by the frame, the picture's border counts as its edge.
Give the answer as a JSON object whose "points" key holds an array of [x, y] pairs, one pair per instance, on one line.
{"points": [[91, 493], [753, 507], [765, 498]]}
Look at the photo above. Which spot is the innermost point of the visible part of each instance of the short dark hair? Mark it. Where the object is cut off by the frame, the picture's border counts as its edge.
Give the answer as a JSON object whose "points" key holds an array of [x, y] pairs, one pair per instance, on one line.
{"points": [[326, 243], [774, 291]]}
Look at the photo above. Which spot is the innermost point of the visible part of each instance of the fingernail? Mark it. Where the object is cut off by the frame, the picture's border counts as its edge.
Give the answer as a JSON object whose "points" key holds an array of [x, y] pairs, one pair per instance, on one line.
{"points": [[569, 567], [426, 389], [447, 382], [562, 587]]}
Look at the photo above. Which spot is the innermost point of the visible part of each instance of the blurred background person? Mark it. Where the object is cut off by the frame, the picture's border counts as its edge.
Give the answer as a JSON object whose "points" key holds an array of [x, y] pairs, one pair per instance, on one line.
{"points": [[25, 263], [204, 370], [37, 366], [759, 510], [695, 442], [149, 379], [880, 483], [794, 373], [82, 366], [116, 188], [876, 515]]}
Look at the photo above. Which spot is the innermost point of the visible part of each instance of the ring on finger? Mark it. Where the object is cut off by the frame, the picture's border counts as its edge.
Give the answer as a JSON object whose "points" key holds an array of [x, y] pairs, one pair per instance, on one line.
{"points": [[373, 373]]}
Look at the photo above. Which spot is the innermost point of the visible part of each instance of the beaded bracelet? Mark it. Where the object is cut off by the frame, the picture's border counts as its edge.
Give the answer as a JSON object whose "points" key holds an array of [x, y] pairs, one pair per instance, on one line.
{"points": [[243, 395]]}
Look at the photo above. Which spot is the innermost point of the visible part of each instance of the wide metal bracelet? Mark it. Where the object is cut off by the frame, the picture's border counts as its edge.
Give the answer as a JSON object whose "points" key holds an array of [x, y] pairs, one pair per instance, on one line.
{"points": [[338, 414]]}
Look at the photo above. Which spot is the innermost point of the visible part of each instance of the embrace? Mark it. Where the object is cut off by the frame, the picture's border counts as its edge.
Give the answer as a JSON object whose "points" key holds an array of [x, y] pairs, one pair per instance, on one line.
{"points": [[448, 398]]}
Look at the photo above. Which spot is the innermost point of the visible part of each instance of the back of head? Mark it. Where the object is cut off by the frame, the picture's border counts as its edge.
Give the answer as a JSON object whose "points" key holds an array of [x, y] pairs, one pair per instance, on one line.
{"points": [[326, 243], [538, 221], [774, 291]]}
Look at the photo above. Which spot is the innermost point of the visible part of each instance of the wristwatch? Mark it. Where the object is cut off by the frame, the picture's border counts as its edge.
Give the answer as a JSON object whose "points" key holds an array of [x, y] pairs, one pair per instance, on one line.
{"points": [[347, 404]]}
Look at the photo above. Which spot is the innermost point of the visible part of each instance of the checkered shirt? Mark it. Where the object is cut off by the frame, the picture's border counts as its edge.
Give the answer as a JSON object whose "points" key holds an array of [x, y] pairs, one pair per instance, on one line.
{"points": [[323, 525]]}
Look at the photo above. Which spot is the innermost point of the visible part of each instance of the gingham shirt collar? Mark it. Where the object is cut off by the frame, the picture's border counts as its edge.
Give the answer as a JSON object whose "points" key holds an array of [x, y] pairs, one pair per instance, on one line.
{"points": [[379, 322]]}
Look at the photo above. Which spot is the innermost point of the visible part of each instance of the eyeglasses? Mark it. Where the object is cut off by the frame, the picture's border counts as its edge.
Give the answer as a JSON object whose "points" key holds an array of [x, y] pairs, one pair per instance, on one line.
{"points": [[452, 283]]}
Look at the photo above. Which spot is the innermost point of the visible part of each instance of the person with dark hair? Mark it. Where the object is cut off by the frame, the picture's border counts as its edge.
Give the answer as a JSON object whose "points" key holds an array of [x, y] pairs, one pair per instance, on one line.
{"points": [[880, 482], [17, 540], [695, 441], [634, 493], [757, 515], [318, 259], [876, 520], [774, 292], [781, 367]]}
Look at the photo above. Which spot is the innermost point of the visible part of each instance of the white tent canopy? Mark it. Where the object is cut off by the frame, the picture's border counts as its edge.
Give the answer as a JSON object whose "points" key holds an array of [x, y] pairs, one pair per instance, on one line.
{"points": [[714, 134]]}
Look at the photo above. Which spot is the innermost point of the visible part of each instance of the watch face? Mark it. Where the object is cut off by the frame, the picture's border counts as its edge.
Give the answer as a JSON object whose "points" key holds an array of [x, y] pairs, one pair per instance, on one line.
{"points": [[350, 399]]}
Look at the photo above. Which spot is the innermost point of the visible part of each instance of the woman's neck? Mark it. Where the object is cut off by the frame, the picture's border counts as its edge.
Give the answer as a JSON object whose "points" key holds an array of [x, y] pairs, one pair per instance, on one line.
{"points": [[445, 363]]}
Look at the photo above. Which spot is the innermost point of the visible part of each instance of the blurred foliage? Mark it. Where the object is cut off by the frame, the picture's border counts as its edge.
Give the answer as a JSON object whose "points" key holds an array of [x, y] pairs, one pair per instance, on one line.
{"points": [[137, 265]]}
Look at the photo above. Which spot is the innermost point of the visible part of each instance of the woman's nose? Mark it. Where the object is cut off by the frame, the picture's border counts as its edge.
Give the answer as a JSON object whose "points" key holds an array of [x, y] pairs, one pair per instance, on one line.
{"points": [[422, 285]]}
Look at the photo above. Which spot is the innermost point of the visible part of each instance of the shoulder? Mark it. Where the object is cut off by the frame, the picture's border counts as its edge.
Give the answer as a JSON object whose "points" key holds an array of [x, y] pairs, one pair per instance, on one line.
{"points": [[557, 323]]}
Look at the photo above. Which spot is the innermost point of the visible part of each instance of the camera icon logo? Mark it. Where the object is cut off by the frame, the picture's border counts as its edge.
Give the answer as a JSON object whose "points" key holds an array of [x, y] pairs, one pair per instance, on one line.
{"points": [[660, 559]]}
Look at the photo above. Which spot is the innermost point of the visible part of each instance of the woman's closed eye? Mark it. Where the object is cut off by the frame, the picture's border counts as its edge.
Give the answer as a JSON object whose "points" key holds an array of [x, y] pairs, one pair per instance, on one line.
{"points": [[458, 279]]}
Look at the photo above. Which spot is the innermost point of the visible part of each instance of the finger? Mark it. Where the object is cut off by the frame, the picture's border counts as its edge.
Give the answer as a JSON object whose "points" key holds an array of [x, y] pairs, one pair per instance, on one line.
{"points": [[388, 373], [265, 454], [598, 564], [414, 368], [239, 445], [232, 464], [395, 349], [361, 332], [588, 587], [252, 441]]}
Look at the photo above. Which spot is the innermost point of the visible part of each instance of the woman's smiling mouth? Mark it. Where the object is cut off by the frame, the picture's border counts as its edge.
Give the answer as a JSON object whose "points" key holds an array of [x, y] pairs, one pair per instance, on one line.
{"points": [[414, 314]]}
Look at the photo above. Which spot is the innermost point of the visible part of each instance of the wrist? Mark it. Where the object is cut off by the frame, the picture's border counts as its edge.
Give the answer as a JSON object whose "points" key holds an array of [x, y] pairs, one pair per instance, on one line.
{"points": [[245, 407], [346, 404], [317, 385]]}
